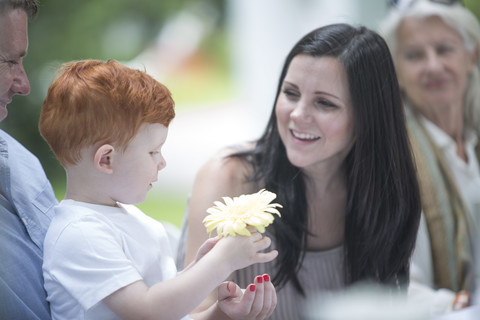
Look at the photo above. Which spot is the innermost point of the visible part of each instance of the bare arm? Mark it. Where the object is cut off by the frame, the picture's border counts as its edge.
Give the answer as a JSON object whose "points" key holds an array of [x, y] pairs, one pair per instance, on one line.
{"points": [[219, 177], [207, 269], [176, 297]]}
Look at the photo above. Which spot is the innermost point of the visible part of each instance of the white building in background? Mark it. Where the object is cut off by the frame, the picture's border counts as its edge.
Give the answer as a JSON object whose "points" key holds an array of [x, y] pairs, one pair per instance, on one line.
{"points": [[262, 33]]}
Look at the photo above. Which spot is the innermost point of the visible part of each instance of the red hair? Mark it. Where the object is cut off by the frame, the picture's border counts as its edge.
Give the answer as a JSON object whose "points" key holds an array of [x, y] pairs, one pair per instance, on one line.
{"points": [[94, 102]]}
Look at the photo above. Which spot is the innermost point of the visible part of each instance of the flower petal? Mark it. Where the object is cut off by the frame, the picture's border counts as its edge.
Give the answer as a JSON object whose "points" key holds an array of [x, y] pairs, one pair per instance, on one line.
{"points": [[236, 214]]}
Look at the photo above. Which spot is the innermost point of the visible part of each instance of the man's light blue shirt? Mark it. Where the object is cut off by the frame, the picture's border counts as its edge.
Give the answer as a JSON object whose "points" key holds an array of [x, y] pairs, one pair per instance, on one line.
{"points": [[26, 208]]}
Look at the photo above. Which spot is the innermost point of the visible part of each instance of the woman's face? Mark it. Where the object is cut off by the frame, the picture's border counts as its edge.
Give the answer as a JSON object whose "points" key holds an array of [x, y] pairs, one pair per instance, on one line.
{"points": [[314, 112], [432, 63]]}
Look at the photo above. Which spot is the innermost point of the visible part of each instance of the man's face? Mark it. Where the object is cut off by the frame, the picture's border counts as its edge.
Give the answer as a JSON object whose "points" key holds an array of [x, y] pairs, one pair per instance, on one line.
{"points": [[13, 47]]}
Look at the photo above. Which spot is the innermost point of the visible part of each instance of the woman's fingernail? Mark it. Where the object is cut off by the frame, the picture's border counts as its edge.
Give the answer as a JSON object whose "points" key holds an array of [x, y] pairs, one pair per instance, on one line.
{"points": [[228, 287], [259, 279], [252, 287], [266, 277]]}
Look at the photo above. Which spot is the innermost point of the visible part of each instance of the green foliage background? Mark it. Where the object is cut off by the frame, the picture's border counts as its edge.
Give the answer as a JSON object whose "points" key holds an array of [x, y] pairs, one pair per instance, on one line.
{"points": [[66, 30]]}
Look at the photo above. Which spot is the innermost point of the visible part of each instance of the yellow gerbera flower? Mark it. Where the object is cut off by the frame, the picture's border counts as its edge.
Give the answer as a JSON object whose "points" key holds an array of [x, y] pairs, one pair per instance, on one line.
{"points": [[237, 214]]}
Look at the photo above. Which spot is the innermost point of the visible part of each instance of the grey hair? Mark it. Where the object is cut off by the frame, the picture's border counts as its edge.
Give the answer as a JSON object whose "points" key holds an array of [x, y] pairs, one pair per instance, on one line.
{"points": [[29, 6], [461, 20]]}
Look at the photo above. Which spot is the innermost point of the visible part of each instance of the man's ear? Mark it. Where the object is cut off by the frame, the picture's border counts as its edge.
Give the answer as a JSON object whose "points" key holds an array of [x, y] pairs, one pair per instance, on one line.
{"points": [[103, 158]]}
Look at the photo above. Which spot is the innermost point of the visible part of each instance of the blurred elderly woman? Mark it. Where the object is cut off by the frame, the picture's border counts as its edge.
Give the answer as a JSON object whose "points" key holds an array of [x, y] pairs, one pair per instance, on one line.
{"points": [[435, 47]]}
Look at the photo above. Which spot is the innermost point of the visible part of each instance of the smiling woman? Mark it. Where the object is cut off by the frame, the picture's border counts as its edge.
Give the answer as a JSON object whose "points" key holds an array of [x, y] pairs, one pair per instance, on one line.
{"points": [[432, 68], [436, 51], [314, 113], [336, 153]]}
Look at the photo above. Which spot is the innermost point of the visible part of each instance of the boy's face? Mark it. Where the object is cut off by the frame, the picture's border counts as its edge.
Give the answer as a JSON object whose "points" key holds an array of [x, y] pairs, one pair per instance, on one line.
{"points": [[137, 168]]}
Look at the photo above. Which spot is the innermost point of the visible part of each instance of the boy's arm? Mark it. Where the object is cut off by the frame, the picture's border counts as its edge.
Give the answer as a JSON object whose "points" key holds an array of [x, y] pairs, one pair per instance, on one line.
{"points": [[202, 251], [176, 297], [217, 178]]}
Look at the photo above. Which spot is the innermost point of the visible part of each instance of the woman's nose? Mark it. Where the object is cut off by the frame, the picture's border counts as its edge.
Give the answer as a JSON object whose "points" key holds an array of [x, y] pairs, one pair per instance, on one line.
{"points": [[301, 112], [433, 62]]}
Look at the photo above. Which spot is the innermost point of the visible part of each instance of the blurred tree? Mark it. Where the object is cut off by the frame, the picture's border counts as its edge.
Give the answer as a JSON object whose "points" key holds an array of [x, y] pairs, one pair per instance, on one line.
{"points": [[81, 29], [474, 6], [97, 29]]}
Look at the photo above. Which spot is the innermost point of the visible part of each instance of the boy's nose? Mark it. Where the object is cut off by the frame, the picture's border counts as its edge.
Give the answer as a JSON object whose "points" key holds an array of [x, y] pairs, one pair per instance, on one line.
{"points": [[161, 164]]}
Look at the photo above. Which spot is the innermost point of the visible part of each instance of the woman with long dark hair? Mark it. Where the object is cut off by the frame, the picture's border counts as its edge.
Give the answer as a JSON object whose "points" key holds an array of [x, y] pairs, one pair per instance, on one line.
{"points": [[336, 153]]}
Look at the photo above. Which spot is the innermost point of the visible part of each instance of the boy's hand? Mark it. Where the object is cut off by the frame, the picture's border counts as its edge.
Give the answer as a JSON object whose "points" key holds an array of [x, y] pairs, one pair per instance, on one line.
{"points": [[206, 247], [202, 251], [241, 251], [257, 301]]}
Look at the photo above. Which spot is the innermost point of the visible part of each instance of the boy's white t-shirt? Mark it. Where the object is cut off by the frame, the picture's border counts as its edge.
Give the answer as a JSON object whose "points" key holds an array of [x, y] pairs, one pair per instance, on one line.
{"points": [[90, 251]]}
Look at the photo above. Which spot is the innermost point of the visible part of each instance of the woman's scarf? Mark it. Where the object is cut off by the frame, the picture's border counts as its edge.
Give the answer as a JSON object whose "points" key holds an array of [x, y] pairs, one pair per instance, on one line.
{"points": [[449, 223]]}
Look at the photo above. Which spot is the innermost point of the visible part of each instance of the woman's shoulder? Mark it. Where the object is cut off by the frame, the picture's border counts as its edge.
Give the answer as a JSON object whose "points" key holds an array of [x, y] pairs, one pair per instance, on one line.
{"points": [[228, 171], [226, 163]]}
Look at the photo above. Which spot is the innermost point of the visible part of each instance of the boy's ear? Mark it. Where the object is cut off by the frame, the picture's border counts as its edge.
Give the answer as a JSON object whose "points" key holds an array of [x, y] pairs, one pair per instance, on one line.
{"points": [[103, 158]]}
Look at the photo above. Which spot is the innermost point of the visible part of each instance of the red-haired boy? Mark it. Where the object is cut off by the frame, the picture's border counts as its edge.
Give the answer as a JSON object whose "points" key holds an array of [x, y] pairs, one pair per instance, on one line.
{"points": [[104, 258]]}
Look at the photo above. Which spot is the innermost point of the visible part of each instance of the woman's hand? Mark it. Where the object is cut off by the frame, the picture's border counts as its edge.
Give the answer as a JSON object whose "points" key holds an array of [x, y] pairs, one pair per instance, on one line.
{"points": [[256, 302]]}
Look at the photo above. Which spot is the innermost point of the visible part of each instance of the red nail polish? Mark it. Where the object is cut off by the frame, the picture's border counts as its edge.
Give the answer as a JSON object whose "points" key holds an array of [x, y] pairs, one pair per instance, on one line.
{"points": [[259, 279], [266, 277], [252, 287]]}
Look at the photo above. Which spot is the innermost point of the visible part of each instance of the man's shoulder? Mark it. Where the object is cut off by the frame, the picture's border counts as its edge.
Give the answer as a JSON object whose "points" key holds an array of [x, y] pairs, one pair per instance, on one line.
{"points": [[26, 187], [14, 150], [21, 162], [11, 141]]}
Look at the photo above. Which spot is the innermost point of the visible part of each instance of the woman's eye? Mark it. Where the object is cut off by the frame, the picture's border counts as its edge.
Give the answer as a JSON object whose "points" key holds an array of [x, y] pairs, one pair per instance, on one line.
{"points": [[290, 93], [325, 103], [413, 55], [445, 49]]}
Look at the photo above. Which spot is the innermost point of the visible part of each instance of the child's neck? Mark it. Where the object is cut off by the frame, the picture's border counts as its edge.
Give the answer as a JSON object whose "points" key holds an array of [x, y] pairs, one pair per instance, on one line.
{"points": [[75, 197], [81, 187]]}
